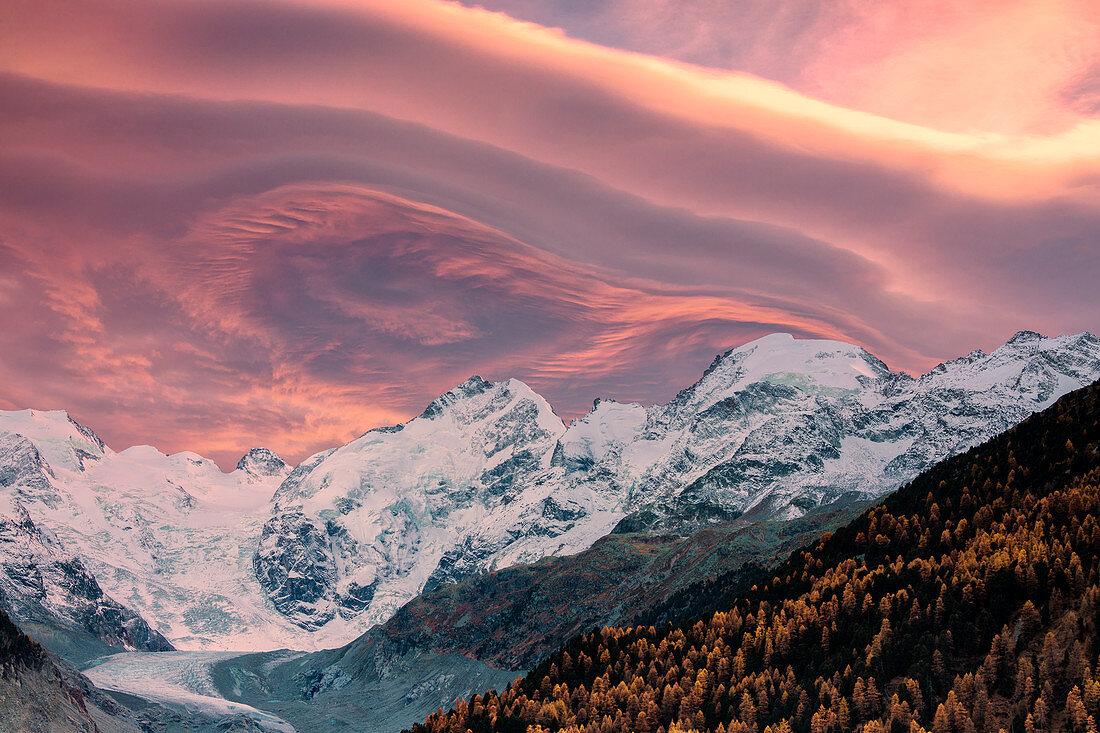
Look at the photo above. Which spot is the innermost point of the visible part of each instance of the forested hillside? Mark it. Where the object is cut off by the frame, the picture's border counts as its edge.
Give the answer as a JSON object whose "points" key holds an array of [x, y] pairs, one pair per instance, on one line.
{"points": [[967, 601]]}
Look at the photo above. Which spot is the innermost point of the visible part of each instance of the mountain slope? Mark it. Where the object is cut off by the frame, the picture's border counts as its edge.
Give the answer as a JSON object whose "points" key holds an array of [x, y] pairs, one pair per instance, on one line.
{"points": [[359, 530], [512, 618], [57, 599], [40, 695], [966, 601]]}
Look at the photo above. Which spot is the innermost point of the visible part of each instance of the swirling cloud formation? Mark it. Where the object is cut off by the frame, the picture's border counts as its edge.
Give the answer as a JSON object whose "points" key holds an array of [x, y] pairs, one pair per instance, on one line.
{"points": [[232, 223]]}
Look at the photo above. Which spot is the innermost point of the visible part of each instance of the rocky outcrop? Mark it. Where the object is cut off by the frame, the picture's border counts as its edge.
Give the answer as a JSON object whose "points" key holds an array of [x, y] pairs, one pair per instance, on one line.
{"points": [[262, 462], [40, 694]]}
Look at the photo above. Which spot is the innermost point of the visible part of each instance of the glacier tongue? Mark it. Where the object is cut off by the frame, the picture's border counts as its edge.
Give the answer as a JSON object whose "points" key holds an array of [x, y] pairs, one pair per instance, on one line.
{"points": [[488, 476]]}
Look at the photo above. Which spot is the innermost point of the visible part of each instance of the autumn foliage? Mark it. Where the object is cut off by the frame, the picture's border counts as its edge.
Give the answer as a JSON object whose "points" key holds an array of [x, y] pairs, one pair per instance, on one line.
{"points": [[967, 601]]}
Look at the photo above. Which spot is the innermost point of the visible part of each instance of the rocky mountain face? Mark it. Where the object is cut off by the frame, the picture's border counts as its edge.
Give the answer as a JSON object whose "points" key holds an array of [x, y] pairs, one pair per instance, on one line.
{"points": [[488, 477], [58, 600], [40, 694], [260, 463]]}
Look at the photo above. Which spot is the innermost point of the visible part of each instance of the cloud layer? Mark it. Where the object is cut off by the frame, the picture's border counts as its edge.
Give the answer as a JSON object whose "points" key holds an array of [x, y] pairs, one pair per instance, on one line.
{"points": [[1002, 65], [232, 223]]}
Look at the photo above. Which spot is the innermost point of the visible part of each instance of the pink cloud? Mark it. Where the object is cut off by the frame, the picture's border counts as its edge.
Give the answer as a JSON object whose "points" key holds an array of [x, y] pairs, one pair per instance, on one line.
{"points": [[301, 316], [1005, 66], [284, 223]]}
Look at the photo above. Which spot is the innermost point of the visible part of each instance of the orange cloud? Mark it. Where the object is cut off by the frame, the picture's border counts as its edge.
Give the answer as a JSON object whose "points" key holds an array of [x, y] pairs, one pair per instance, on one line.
{"points": [[1002, 66], [300, 317]]}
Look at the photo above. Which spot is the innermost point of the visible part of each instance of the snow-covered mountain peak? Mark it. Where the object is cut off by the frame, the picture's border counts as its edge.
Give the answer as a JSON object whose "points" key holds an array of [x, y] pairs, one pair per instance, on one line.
{"points": [[61, 441], [1029, 363], [142, 451], [360, 529], [806, 364], [472, 387], [1033, 342], [262, 462], [590, 439], [1025, 337], [476, 399], [183, 466], [810, 366], [1030, 343]]}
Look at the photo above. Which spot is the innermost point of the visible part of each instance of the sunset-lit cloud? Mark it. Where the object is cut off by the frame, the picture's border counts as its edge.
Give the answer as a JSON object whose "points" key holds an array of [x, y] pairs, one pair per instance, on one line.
{"points": [[1007, 66], [232, 223]]}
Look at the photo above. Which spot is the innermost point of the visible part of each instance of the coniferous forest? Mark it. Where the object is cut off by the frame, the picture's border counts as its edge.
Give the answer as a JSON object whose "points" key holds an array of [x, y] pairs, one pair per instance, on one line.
{"points": [[966, 601]]}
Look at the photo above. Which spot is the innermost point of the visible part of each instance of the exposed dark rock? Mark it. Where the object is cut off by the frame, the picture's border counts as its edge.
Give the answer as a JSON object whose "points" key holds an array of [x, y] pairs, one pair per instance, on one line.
{"points": [[262, 462]]}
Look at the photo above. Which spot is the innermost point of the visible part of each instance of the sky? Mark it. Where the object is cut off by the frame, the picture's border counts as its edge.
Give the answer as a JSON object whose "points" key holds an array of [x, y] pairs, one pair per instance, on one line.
{"points": [[239, 223]]}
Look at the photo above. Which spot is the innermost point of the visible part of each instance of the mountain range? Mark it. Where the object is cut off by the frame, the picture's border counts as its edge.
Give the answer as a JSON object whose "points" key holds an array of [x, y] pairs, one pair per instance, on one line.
{"points": [[140, 550]]}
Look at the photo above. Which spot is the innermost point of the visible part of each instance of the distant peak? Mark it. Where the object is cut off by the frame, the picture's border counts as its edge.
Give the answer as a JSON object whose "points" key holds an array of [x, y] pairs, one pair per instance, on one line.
{"points": [[787, 343], [60, 415], [41, 417], [64, 442], [809, 364], [604, 404], [474, 385], [1023, 337], [784, 347], [261, 462], [771, 341], [778, 337]]}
